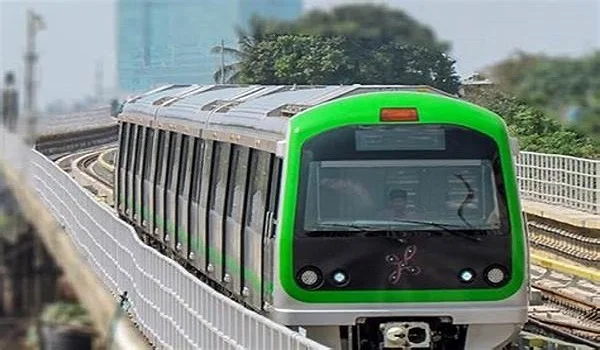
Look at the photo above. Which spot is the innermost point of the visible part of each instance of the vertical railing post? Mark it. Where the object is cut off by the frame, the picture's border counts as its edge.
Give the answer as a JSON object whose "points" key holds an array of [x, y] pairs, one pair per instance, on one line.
{"points": [[596, 186]]}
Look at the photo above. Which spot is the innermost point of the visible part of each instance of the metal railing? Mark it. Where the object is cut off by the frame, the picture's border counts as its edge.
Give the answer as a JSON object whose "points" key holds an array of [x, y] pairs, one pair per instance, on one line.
{"points": [[560, 180], [173, 308]]}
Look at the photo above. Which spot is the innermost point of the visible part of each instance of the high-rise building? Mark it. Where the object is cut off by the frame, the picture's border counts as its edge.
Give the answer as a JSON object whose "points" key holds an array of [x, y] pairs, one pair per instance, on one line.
{"points": [[169, 41]]}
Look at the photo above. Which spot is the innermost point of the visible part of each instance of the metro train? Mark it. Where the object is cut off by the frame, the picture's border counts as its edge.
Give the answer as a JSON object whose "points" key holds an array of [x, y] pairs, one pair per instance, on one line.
{"points": [[369, 216]]}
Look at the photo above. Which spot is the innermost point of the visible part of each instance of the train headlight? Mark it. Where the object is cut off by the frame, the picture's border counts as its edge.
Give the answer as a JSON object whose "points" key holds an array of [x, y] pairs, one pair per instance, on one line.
{"points": [[310, 277], [340, 278], [495, 275], [466, 275]]}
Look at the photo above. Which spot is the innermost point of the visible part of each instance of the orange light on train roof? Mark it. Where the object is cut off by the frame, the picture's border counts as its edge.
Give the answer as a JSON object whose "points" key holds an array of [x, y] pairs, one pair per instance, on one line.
{"points": [[398, 115]]}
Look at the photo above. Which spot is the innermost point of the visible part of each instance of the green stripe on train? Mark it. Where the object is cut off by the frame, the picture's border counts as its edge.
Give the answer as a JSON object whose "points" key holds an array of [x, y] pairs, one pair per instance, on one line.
{"points": [[232, 264]]}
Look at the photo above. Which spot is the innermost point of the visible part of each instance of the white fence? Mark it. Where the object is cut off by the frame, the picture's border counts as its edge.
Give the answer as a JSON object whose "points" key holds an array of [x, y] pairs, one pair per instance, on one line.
{"points": [[560, 180], [174, 309]]}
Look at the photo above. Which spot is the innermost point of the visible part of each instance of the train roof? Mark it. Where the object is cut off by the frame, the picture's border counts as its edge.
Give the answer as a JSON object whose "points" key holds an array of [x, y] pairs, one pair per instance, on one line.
{"points": [[260, 108]]}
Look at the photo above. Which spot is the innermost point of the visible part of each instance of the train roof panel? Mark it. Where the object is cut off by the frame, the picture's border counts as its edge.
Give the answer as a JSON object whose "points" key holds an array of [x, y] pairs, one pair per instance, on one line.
{"points": [[202, 101], [262, 106], [258, 107], [172, 91]]}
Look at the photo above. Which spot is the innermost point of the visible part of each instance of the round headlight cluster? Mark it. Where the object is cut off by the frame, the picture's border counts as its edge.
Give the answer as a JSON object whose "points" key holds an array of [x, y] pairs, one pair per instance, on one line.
{"points": [[310, 277], [495, 275]]}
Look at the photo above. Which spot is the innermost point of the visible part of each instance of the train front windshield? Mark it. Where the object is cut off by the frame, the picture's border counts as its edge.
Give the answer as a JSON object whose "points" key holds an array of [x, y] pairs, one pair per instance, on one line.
{"points": [[402, 194], [408, 178]]}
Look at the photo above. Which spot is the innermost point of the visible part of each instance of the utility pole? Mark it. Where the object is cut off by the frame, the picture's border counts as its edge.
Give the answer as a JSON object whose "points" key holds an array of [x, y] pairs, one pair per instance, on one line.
{"points": [[222, 61], [35, 24]]}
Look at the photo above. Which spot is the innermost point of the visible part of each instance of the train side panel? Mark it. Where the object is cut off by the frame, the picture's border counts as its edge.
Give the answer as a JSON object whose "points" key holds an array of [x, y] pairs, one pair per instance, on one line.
{"points": [[183, 195], [234, 217]]}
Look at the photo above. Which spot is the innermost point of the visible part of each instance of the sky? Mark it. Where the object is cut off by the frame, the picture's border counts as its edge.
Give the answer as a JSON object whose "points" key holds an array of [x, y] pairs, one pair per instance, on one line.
{"points": [[81, 34]]}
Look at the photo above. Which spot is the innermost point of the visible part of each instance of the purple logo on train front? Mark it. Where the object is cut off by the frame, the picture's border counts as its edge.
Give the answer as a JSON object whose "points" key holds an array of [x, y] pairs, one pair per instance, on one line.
{"points": [[401, 264]]}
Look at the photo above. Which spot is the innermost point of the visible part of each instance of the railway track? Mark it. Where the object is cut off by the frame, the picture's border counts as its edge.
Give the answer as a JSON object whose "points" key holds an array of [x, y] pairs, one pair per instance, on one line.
{"points": [[570, 306], [87, 165], [578, 247], [82, 167]]}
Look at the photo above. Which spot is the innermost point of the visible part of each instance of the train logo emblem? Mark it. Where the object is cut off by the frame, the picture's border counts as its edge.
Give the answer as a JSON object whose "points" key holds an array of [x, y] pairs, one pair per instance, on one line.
{"points": [[401, 265]]}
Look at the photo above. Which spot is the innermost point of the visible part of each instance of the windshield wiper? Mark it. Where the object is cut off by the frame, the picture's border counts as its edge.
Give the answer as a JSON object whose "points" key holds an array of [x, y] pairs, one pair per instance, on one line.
{"points": [[468, 198], [446, 228], [353, 230]]}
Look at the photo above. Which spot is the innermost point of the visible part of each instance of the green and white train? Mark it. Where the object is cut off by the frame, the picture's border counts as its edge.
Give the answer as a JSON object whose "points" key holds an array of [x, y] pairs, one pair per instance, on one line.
{"points": [[371, 216]]}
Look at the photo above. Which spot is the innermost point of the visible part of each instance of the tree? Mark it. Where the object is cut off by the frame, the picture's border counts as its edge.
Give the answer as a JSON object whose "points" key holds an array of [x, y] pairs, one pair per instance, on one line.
{"points": [[365, 26], [257, 31], [308, 59], [379, 45], [295, 59], [536, 131], [509, 73], [399, 63], [561, 87]]}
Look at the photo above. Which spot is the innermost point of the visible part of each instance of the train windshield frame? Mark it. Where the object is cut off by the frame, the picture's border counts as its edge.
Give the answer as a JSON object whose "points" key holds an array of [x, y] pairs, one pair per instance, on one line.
{"points": [[411, 178]]}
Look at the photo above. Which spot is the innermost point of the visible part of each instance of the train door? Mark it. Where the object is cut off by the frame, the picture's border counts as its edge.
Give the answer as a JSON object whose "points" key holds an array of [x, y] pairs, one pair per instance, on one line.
{"points": [[201, 247], [269, 230], [159, 189], [193, 246], [139, 154], [254, 220], [148, 182], [171, 205], [234, 218], [183, 195], [122, 166], [218, 190], [129, 171]]}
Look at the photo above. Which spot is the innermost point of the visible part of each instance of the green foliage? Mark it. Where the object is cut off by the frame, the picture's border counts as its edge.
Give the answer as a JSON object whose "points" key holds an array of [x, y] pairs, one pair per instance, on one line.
{"points": [[399, 63], [66, 313], [350, 44], [307, 59], [536, 131], [365, 25], [294, 59], [60, 313], [555, 84], [257, 31]]}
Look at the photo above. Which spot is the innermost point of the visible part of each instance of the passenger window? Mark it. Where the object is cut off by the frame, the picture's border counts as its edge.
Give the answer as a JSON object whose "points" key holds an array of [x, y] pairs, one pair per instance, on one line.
{"points": [[216, 158], [148, 153], [219, 184], [183, 164], [257, 193], [161, 147], [171, 160], [197, 170], [122, 148], [237, 180], [138, 150], [275, 185], [130, 150]]}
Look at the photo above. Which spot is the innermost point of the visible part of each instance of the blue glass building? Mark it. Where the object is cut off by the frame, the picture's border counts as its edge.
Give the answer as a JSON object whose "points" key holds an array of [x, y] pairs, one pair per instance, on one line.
{"points": [[169, 41]]}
